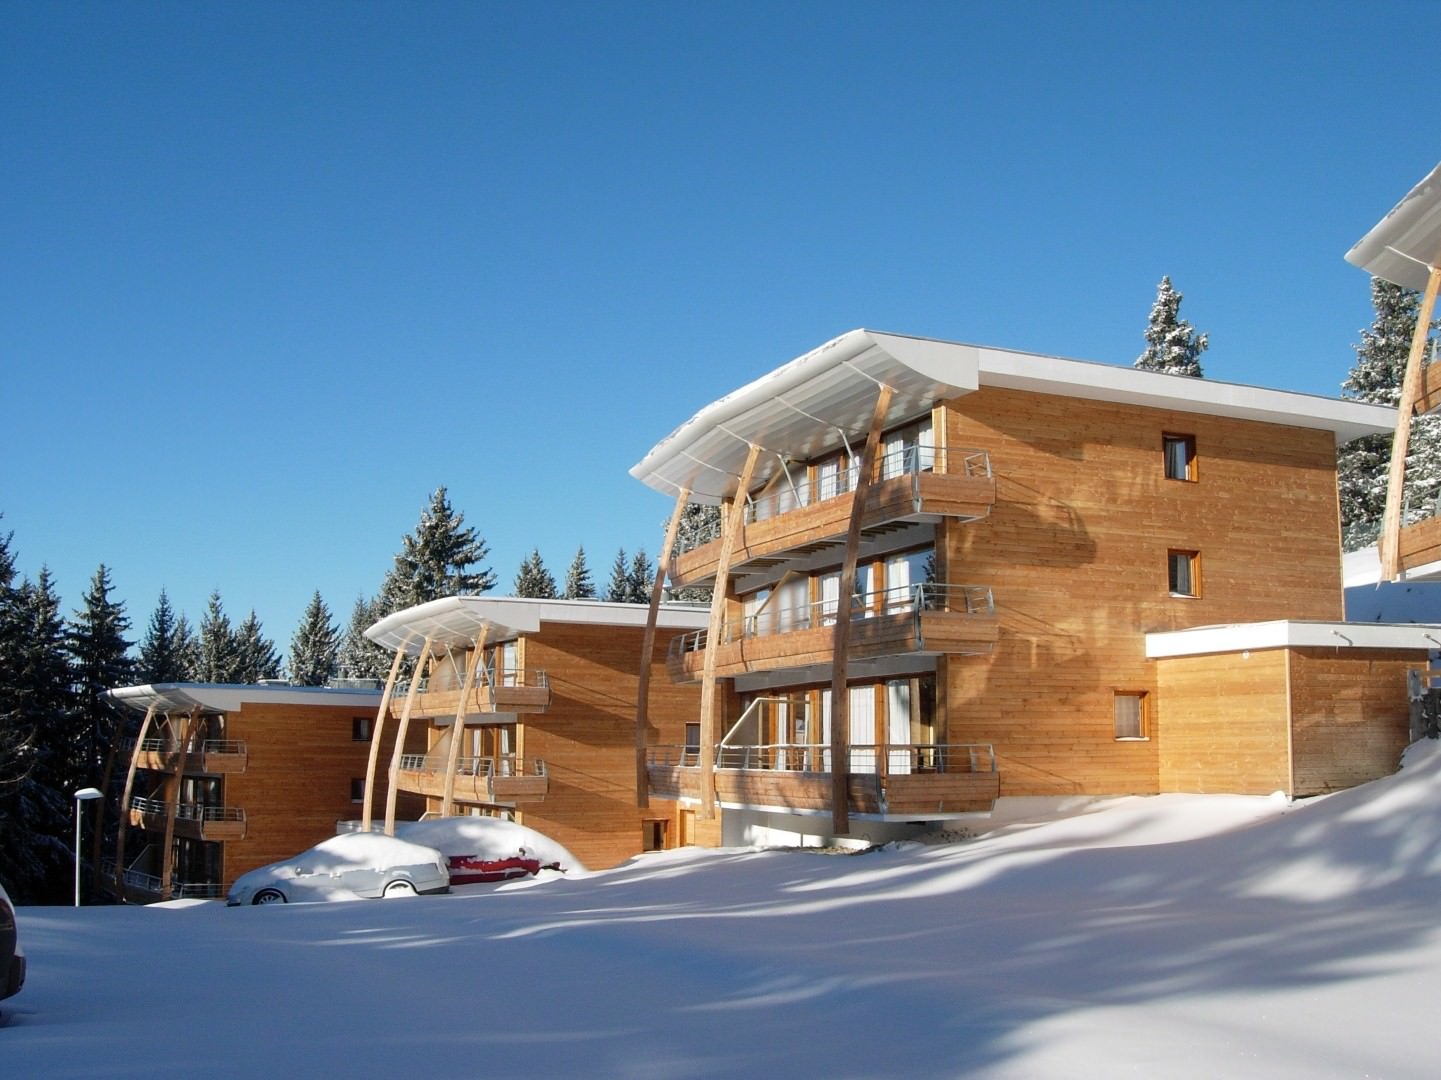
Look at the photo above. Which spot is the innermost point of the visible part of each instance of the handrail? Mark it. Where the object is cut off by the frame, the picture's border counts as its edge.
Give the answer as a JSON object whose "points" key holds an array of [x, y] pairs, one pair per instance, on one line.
{"points": [[224, 747], [187, 811], [151, 883], [534, 678], [505, 765], [813, 757], [170, 746]]}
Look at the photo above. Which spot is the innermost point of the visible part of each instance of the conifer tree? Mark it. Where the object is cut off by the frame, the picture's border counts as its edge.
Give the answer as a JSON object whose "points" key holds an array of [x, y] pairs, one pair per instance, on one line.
{"points": [[100, 661], [618, 588], [187, 649], [1172, 345], [255, 655], [578, 583], [218, 659], [314, 647], [162, 658], [699, 524], [435, 560], [534, 579], [639, 579], [359, 657], [1363, 465]]}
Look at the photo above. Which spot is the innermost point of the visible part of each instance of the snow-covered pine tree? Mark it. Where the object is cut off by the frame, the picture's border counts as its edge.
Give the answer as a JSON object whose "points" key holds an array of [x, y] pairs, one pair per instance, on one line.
{"points": [[639, 578], [256, 657], [435, 560], [187, 648], [100, 660], [1363, 465], [534, 579], [359, 657], [1172, 345], [314, 646], [578, 583], [161, 649], [218, 659], [618, 587]]}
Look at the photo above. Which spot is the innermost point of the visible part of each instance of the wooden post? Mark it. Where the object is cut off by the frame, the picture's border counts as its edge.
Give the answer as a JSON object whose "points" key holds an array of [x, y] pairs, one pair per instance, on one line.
{"points": [[709, 708], [457, 730], [125, 804], [368, 809], [647, 649], [394, 789], [1390, 543], [172, 805], [840, 694]]}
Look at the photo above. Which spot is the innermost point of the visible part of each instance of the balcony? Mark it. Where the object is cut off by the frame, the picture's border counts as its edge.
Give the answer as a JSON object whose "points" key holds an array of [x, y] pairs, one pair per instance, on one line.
{"points": [[919, 782], [515, 690], [144, 888], [192, 820], [923, 619], [486, 781], [918, 484], [213, 757]]}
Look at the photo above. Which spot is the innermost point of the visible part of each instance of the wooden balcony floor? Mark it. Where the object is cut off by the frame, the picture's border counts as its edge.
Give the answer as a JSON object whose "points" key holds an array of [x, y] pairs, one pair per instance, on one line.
{"points": [[914, 796]]}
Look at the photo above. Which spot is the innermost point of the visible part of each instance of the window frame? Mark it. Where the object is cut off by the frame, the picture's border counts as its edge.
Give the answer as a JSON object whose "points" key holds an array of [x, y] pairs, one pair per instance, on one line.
{"points": [[1193, 571], [1142, 698], [1188, 469]]}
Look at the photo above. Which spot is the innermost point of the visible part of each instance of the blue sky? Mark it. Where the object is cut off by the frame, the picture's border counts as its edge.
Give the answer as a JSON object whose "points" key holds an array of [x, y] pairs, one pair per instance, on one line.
{"points": [[271, 273]]}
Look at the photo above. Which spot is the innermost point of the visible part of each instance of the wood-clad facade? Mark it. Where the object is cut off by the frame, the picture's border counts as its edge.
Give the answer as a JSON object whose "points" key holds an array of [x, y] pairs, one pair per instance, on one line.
{"points": [[548, 733], [1058, 516], [216, 780]]}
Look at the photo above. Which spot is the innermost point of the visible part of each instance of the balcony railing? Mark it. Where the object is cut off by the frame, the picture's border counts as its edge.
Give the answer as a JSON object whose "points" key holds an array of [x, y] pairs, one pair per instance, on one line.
{"points": [[532, 678], [809, 757], [915, 599], [152, 885], [490, 767], [189, 812]]}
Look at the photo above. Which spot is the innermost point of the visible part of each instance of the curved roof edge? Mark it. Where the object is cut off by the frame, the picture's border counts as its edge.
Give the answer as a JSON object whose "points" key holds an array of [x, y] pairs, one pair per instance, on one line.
{"points": [[456, 621], [229, 697], [1291, 634], [1404, 245]]}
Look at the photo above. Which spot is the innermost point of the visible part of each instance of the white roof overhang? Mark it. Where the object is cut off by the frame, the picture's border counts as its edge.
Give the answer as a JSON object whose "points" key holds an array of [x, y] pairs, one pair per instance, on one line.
{"points": [[456, 622], [1291, 634], [818, 402], [1404, 245], [229, 697]]}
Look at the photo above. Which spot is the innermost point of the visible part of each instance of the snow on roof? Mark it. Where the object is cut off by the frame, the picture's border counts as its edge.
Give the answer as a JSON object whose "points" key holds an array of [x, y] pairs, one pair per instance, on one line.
{"points": [[1404, 245], [229, 697], [456, 621], [1288, 633], [815, 403]]}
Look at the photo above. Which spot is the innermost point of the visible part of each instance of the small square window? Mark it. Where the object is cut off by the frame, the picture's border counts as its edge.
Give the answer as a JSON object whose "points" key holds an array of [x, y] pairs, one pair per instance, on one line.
{"points": [[1184, 573], [1179, 452], [357, 789], [360, 729], [1130, 714]]}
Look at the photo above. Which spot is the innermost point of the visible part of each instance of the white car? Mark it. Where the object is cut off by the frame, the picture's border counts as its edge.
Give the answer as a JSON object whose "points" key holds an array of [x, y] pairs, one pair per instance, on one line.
{"points": [[12, 957], [351, 864]]}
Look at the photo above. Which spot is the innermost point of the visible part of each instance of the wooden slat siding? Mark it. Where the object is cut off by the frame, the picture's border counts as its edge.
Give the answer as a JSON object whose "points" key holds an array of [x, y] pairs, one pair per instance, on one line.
{"points": [[127, 791], [473, 790], [1430, 399], [1411, 389], [587, 737], [1421, 543], [947, 793], [840, 650], [443, 704], [647, 647], [302, 761], [942, 494], [422, 665], [1349, 714], [732, 523], [1075, 552], [367, 813], [1223, 724], [914, 793]]}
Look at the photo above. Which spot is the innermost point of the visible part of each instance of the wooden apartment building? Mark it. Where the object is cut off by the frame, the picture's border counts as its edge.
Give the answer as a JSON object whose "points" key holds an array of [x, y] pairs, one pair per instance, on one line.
{"points": [[214, 780], [526, 708], [1059, 578]]}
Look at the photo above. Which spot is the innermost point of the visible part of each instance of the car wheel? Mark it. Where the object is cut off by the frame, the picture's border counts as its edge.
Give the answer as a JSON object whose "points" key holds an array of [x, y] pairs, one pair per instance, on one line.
{"points": [[269, 896], [399, 888]]}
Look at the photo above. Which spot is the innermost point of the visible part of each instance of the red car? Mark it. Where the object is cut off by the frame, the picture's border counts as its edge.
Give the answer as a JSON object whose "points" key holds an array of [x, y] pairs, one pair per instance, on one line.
{"points": [[12, 958]]}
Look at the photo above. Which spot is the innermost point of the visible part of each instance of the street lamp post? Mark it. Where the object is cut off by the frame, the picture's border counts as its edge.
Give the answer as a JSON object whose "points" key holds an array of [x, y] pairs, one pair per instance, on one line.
{"points": [[84, 795]]}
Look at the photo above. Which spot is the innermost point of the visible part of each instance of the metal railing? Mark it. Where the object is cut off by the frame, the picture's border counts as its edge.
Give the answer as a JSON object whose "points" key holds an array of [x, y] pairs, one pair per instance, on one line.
{"points": [[187, 811], [489, 767], [534, 678], [810, 757], [912, 599], [170, 746], [150, 883]]}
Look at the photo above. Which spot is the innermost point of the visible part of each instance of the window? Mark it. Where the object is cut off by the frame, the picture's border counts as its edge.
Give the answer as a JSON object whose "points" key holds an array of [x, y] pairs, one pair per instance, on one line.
{"points": [[360, 729], [1184, 571], [1130, 714], [1179, 452], [692, 745], [357, 789]]}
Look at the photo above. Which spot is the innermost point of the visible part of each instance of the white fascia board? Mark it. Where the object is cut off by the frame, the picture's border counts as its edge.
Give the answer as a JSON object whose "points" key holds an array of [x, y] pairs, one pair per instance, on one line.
{"points": [[1180, 393], [1291, 634], [456, 621], [1404, 245], [230, 697]]}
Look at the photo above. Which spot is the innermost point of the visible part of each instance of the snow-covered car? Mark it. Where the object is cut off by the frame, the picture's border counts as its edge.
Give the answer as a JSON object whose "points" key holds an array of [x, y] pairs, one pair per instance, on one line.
{"points": [[484, 849], [12, 957], [351, 864]]}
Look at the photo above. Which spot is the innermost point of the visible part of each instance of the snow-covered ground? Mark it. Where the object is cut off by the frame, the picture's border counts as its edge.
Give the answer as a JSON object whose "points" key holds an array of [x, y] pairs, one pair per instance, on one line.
{"points": [[1177, 936]]}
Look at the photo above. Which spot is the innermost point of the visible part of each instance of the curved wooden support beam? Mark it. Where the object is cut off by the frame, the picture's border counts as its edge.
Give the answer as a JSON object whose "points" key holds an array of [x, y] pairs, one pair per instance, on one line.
{"points": [[421, 664], [367, 811], [457, 729], [172, 804], [125, 804], [1390, 543], [647, 649]]}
